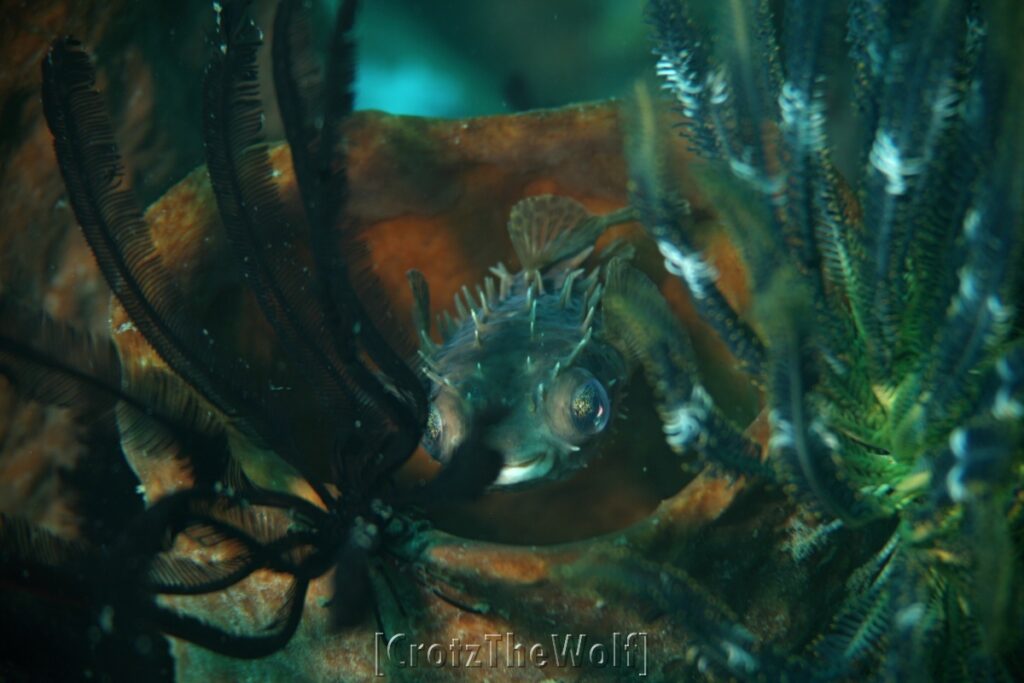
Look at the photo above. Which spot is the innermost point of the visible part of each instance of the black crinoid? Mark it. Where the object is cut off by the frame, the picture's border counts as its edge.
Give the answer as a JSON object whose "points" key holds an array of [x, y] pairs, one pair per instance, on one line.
{"points": [[367, 406], [886, 270]]}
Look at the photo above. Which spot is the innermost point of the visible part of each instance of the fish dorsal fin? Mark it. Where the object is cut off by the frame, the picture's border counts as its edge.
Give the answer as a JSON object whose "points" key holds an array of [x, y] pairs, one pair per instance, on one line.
{"points": [[544, 229], [548, 229]]}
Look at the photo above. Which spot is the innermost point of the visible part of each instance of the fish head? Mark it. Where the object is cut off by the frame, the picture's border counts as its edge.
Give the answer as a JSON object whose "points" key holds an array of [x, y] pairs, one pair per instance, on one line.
{"points": [[550, 410]]}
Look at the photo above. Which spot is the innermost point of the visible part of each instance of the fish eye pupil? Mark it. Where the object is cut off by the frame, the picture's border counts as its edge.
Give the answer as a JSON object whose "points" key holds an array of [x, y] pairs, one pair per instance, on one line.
{"points": [[589, 407]]}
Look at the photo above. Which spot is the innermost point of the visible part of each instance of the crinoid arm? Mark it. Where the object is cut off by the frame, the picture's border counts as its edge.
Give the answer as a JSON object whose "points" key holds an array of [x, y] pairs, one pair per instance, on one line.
{"points": [[190, 543], [56, 364], [803, 447], [217, 540], [112, 222], [884, 300], [648, 331], [314, 102], [264, 240], [666, 216], [229, 528], [302, 288]]}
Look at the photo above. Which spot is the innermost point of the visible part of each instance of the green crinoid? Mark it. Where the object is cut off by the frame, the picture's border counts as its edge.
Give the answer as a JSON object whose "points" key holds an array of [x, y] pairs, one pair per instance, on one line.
{"points": [[884, 268]]}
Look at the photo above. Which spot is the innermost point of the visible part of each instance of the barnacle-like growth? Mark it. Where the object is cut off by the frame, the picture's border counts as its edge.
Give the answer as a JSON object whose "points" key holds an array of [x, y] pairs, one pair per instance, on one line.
{"points": [[886, 334]]}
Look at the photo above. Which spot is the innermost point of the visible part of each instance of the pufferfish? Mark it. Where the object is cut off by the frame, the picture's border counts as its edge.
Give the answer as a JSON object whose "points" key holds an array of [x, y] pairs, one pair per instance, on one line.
{"points": [[531, 348]]}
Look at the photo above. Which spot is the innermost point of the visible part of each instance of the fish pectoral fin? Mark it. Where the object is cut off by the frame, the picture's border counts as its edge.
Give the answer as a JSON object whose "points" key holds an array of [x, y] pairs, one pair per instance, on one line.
{"points": [[638, 319], [546, 229]]}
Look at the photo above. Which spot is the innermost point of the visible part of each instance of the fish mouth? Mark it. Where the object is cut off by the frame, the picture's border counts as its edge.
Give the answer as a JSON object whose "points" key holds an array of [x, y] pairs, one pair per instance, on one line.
{"points": [[525, 471]]}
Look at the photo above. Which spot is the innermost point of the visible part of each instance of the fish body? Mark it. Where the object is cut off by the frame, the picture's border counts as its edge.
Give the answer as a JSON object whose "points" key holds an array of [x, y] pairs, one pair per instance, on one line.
{"points": [[531, 349]]}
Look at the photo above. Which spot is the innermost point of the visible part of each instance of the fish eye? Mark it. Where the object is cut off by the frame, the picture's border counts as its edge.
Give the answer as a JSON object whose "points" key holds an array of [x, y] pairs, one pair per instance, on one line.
{"points": [[589, 407], [433, 435], [577, 406], [445, 427]]}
